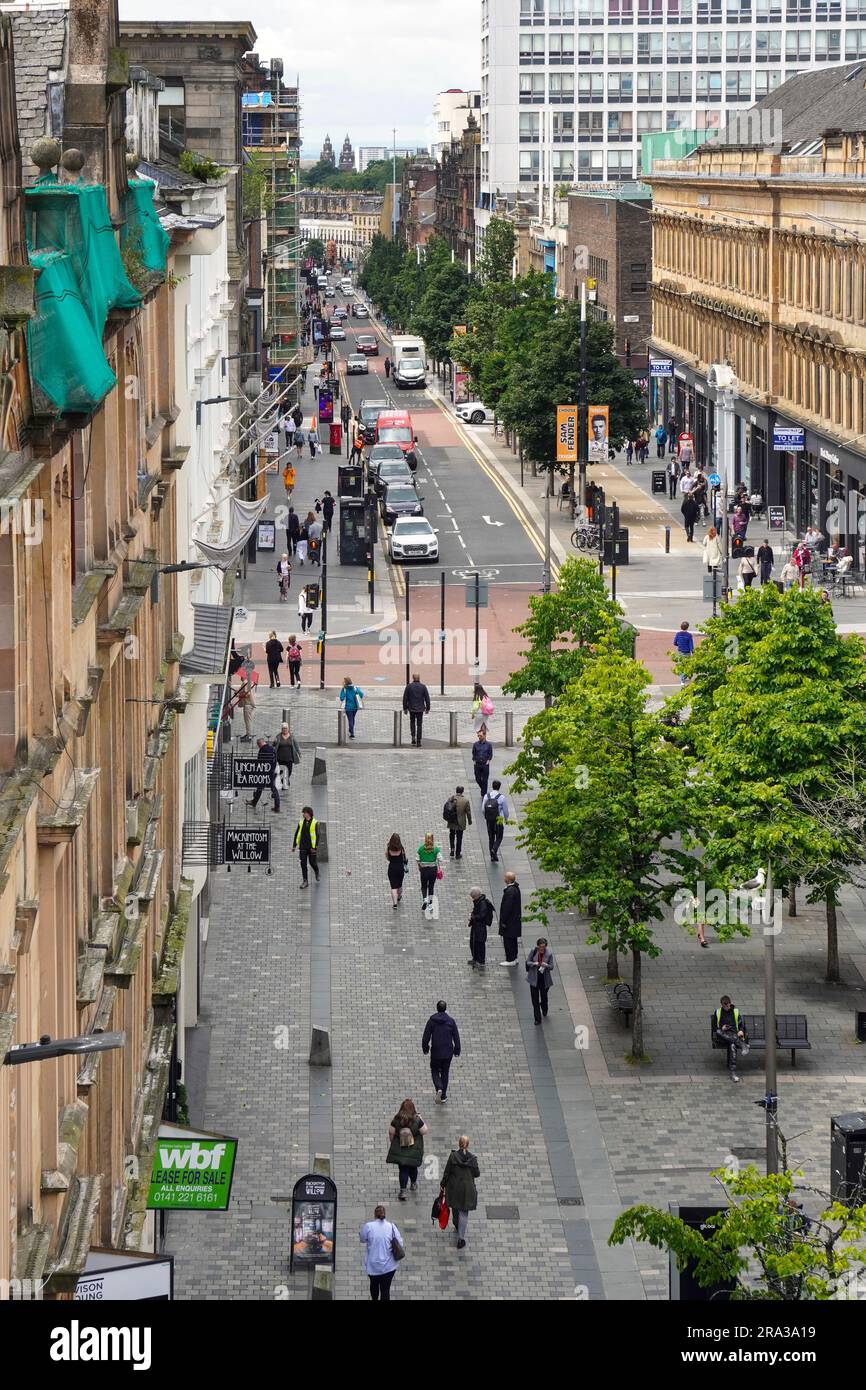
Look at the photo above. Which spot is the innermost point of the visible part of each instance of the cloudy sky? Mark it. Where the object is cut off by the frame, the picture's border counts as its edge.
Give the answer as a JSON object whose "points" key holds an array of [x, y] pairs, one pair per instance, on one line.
{"points": [[365, 66]]}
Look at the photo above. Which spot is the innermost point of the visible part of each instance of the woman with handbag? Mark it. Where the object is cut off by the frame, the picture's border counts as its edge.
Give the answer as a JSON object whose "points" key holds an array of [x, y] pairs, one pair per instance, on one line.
{"points": [[384, 1247], [398, 863], [482, 707], [430, 867], [352, 700], [406, 1138], [458, 1186]]}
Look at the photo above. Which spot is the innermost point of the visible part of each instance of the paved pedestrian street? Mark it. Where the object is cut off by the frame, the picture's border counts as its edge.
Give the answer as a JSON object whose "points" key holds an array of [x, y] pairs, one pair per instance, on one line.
{"points": [[566, 1132]]}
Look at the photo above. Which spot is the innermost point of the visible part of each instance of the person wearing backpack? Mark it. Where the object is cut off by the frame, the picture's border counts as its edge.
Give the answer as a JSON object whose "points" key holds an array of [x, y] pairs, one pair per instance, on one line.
{"points": [[457, 814], [378, 1236], [480, 919], [482, 757], [294, 658], [494, 808], [406, 1138], [482, 707]]}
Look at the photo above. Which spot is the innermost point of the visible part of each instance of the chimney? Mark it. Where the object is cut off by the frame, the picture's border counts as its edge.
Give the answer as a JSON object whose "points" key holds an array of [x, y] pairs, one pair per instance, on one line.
{"points": [[98, 69]]}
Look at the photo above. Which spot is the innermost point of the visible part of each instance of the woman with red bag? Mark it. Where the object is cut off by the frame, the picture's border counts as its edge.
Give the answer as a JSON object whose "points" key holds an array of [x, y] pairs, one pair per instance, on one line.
{"points": [[458, 1186]]}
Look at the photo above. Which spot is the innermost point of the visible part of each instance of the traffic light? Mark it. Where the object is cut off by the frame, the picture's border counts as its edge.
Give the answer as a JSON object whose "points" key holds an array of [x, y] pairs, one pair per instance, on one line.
{"points": [[311, 592]]}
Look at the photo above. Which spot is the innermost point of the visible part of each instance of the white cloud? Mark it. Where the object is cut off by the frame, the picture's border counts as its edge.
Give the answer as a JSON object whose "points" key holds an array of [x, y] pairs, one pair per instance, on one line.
{"points": [[365, 66]]}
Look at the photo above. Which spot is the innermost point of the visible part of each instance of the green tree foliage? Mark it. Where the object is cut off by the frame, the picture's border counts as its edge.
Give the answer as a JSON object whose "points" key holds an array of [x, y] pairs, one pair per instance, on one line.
{"points": [[374, 179], [442, 299], [495, 264], [779, 704], [610, 810], [315, 251], [762, 1243], [379, 276]]}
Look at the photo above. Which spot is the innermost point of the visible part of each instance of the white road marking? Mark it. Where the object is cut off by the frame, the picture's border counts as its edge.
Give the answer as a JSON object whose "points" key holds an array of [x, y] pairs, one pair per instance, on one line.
{"points": [[492, 523], [462, 541]]}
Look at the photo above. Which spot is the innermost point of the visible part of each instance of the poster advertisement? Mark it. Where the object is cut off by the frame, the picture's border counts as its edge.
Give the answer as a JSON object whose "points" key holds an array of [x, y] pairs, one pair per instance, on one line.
{"points": [[326, 405], [192, 1170], [314, 1221], [459, 385], [566, 434], [599, 432]]}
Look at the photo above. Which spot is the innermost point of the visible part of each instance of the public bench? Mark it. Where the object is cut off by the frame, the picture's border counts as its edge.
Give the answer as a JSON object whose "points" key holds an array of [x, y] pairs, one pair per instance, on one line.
{"points": [[792, 1033]]}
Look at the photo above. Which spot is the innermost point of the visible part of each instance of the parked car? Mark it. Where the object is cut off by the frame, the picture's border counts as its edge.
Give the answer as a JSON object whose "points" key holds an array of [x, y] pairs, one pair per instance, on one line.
{"points": [[388, 471], [475, 412], [338, 332], [368, 343], [356, 362], [360, 311], [413, 538], [399, 499]]}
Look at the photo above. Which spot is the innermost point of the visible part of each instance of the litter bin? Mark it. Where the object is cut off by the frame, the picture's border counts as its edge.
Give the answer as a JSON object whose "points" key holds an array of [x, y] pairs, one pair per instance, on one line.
{"points": [[659, 481], [621, 555], [336, 437]]}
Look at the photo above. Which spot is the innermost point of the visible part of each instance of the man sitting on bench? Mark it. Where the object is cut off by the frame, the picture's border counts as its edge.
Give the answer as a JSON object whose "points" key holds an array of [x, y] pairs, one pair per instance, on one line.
{"points": [[730, 1032]]}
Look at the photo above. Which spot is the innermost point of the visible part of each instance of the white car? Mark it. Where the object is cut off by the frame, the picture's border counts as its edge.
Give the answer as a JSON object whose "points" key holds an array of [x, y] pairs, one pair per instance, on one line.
{"points": [[361, 311], [475, 413], [413, 538], [337, 332], [357, 362]]}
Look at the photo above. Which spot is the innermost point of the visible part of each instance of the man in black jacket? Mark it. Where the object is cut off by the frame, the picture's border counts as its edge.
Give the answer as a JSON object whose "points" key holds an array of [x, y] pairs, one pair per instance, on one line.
{"points": [[510, 918], [482, 757], [479, 920], [267, 754], [416, 703], [442, 1041]]}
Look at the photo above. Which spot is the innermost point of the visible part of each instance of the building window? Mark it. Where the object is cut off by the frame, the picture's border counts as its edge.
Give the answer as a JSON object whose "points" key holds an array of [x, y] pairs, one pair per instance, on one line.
{"points": [[620, 164], [529, 124], [590, 85], [532, 48], [561, 11], [590, 48], [563, 125], [739, 48], [798, 46], [532, 86], [562, 48], [855, 43], [590, 125], [562, 86], [590, 165], [597, 269], [827, 44], [590, 11], [529, 165], [799, 11], [768, 46], [620, 86], [620, 125], [638, 277], [648, 121], [708, 48], [679, 48], [679, 86], [738, 86], [620, 48], [650, 47], [766, 82], [709, 86], [649, 86], [172, 109], [563, 165]]}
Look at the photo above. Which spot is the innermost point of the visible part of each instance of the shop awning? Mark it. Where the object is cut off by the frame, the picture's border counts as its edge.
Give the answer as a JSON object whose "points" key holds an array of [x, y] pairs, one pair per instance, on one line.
{"points": [[209, 653]]}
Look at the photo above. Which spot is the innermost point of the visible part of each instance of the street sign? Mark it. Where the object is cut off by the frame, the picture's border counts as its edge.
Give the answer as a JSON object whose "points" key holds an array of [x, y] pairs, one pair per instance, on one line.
{"points": [[246, 844], [776, 518], [714, 480], [314, 1222], [713, 591], [476, 593], [250, 772], [659, 480]]}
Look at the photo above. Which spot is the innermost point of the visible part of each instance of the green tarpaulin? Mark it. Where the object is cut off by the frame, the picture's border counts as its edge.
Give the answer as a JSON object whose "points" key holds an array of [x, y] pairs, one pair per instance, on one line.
{"points": [[67, 364], [143, 229], [74, 218]]}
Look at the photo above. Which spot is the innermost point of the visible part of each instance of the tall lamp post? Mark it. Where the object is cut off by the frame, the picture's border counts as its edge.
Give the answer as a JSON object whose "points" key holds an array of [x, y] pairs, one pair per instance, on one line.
{"points": [[722, 379]]}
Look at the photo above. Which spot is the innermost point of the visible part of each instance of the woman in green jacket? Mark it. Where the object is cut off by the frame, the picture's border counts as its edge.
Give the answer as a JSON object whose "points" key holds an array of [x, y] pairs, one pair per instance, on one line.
{"points": [[406, 1134], [458, 1186]]}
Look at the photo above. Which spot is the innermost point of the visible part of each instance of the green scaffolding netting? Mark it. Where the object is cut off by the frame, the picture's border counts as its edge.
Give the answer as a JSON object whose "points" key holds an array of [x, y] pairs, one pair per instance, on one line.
{"points": [[67, 365], [143, 229]]}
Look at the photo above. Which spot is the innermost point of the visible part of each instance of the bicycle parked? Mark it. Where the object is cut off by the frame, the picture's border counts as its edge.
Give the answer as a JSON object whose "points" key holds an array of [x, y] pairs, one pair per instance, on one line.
{"points": [[586, 536]]}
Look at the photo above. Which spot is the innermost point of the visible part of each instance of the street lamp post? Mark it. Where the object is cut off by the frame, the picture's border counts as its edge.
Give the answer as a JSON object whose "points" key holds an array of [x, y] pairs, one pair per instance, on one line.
{"points": [[48, 1047], [770, 1095]]}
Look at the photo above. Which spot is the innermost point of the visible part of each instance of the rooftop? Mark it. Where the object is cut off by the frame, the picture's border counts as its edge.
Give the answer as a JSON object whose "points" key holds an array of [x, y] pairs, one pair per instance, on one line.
{"points": [[829, 101]]}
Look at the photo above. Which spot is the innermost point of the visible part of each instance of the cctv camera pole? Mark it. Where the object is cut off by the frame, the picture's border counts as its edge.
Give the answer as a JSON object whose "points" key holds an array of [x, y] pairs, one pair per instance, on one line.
{"points": [[770, 1097]]}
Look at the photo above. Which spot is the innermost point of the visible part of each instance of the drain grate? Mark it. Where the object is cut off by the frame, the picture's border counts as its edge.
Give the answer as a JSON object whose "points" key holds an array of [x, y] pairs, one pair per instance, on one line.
{"points": [[570, 1202], [505, 1213]]}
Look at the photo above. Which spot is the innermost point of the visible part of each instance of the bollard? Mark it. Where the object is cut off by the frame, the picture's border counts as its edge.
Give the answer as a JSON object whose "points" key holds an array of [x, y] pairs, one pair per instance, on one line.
{"points": [[509, 728], [323, 1284], [320, 769], [452, 728], [398, 728], [342, 728], [667, 540], [322, 841]]}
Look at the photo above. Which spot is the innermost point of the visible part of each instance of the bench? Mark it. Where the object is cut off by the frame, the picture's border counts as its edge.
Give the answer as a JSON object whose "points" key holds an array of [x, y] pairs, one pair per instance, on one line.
{"points": [[792, 1033], [621, 998]]}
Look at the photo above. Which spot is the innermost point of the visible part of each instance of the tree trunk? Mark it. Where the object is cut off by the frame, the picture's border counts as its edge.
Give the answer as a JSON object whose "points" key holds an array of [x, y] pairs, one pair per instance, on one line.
{"points": [[832, 939], [792, 898], [637, 1016], [612, 959]]}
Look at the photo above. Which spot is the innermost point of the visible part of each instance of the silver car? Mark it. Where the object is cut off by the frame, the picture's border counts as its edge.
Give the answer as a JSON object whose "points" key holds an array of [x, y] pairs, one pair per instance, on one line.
{"points": [[357, 362]]}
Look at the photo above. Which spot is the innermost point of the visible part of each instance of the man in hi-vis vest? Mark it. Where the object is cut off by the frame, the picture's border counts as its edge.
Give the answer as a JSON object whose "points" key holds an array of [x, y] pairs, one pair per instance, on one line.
{"points": [[730, 1031]]}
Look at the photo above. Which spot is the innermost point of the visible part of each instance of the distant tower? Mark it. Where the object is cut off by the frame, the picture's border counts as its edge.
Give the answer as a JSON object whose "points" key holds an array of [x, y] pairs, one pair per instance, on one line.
{"points": [[327, 155], [347, 157]]}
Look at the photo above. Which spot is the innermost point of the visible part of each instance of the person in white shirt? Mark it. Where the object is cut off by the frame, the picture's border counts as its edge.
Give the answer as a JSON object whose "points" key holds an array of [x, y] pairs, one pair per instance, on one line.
{"points": [[305, 612], [379, 1262], [687, 482]]}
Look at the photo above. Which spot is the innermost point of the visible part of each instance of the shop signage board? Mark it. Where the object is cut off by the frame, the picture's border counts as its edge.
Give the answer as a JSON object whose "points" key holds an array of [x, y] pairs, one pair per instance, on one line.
{"points": [[314, 1222], [120, 1276], [247, 844], [192, 1170], [250, 772], [776, 518]]}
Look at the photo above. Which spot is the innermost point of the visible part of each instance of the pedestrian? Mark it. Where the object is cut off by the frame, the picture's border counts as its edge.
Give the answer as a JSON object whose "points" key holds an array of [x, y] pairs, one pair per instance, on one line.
{"points": [[299, 442], [790, 574], [328, 505], [387, 367], [416, 703], [539, 973], [457, 814], [406, 1145], [398, 863], [730, 1030], [357, 454], [441, 1039], [685, 644], [305, 843], [458, 1186], [685, 451], [672, 435], [245, 701], [482, 756], [289, 476], [643, 447], [765, 559], [284, 576], [313, 441], [293, 530], [629, 452], [352, 699], [274, 654], [379, 1236], [802, 559], [430, 869], [482, 707], [699, 492], [297, 413], [267, 754], [303, 546], [289, 428], [480, 919], [494, 809], [712, 549], [285, 745], [690, 511], [747, 572], [661, 441], [305, 613], [294, 657], [673, 476], [510, 918]]}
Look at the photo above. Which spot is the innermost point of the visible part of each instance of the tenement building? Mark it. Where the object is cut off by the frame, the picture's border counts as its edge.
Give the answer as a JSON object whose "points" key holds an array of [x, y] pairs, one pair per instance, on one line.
{"points": [[759, 260]]}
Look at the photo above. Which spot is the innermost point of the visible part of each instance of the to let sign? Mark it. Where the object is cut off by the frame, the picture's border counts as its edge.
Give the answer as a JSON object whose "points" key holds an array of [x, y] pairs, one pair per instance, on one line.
{"points": [[788, 440], [566, 434], [661, 366]]}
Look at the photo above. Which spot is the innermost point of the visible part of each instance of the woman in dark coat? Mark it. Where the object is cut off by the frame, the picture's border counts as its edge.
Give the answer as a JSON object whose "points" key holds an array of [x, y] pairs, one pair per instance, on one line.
{"points": [[406, 1135], [397, 866], [458, 1186], [274, 654], [690, 511]]}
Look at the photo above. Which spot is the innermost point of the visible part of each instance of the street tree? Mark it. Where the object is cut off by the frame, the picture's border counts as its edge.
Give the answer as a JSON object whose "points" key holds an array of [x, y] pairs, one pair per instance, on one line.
{"points": [[762, 1245], [785, 711], [315, 251], [504, 318], [496, 261], [609, 813], [442, 300]]}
